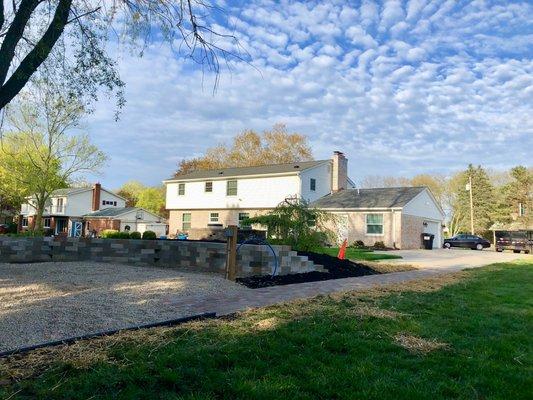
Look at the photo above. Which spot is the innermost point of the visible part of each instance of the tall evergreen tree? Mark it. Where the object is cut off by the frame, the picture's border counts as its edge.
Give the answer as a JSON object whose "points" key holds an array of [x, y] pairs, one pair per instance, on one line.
{"points": [[516, 198], [483, 194]]}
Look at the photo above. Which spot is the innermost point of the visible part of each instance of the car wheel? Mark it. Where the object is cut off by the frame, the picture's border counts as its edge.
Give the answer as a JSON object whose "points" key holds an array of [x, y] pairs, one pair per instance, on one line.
{"points": [[499, 250], [479, 246], [516, 251], [447, 245]]}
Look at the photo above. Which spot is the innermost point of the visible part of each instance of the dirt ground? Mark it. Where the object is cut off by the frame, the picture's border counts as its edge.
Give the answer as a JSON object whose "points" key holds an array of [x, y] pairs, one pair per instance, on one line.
{"points": [[49, 301]]}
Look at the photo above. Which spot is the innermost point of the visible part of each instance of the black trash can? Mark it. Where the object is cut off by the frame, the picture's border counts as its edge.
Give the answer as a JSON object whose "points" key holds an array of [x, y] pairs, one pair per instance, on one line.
{"points": [[427, 240]]}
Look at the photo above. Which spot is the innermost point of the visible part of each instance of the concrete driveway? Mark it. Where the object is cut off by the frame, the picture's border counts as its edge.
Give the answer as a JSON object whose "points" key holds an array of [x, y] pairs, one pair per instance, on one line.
{"points": [[454, 259]]}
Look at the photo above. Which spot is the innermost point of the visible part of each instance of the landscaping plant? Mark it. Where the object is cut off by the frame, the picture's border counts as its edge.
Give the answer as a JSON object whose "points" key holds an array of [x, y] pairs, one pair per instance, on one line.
{"points": [[296, 224], [150, 235], [135, 235]]}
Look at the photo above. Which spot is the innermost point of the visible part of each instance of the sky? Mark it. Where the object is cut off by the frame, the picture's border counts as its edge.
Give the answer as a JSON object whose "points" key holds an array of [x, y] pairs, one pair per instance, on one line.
{"points": [[400, 87]]}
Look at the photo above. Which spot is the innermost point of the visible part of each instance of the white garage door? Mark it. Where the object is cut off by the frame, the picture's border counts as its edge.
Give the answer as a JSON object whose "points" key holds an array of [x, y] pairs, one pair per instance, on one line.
{"points": [[434, 228]]}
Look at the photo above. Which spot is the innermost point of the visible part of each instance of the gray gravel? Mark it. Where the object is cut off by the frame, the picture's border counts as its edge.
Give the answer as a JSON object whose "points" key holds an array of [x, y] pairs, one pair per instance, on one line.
{"points": [[42, 302]]}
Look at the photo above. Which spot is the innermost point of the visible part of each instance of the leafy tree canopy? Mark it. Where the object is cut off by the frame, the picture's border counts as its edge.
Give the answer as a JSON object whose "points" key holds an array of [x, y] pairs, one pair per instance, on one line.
{"points": [[249, 148]]}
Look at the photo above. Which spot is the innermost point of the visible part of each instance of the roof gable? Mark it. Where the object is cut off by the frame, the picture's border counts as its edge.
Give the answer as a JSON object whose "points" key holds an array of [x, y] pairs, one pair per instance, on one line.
{"points": [[272, 169], [396, 197]]}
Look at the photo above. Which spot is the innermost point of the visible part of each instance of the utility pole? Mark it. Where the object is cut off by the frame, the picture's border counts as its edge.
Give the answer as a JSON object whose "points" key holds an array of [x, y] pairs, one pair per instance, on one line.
{"points": [[471, 204]]}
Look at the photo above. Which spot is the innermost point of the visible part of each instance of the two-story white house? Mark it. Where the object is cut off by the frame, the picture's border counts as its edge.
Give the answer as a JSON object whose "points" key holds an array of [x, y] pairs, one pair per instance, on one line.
{"points": [[203, 200], [224, 197], [67, 206]]}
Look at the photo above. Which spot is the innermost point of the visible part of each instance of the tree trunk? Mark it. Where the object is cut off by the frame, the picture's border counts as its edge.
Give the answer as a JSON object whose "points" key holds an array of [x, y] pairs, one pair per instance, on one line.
{"points": [[38, 226]]}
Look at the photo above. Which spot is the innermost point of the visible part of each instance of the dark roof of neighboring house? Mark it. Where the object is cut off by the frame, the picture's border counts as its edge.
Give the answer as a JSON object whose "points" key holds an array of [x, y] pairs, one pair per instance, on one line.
{"points": [[243, 171], [369, 198], [111, 211]]}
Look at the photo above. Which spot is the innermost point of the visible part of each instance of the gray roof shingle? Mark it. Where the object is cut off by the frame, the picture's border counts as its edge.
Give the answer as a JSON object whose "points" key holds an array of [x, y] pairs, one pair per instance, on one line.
{"points": [[243, 171], [369, 198], [111, 211]]}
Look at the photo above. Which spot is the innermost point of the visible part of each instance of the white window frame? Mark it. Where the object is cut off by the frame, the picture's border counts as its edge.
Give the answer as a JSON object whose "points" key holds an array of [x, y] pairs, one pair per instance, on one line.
{"points": [[228, 188], [211, 186], [183, 222], [180, 187], [49, 222], [214, 217], [382, 225], [25, 225]]}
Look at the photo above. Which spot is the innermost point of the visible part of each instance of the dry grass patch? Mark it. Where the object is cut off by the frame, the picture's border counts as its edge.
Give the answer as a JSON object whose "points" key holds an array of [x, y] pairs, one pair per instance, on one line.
{"points": [[417, 344], [376, 312], [384, 267], [267, 324]]}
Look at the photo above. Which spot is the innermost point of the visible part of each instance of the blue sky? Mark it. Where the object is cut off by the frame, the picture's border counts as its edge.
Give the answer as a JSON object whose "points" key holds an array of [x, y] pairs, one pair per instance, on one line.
{"points": [[401, 87]]}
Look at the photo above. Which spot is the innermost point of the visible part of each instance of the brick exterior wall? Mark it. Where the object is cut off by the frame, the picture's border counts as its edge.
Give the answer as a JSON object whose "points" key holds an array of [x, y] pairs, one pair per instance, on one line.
{"points": [[100, 224], [192, 256], [412, 228], [200, 218]]}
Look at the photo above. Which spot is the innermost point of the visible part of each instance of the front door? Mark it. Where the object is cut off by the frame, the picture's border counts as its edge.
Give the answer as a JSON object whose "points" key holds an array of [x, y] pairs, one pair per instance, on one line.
{"points": [[61, 226]]}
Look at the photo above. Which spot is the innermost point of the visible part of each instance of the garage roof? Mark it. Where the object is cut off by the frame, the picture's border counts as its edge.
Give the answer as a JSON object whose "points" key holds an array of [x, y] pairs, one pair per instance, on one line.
{"points": [[392, 197], [111, 211]]}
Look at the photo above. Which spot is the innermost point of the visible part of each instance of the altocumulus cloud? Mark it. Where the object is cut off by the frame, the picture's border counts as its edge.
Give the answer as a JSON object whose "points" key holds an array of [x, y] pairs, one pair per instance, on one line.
{"points": [[401, 87]]}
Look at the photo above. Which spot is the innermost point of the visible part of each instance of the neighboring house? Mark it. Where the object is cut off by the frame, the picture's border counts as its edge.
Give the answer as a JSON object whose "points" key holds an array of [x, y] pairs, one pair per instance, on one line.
{"points": [[202, 200], [125, 219], [67, 207], [395, 216]]}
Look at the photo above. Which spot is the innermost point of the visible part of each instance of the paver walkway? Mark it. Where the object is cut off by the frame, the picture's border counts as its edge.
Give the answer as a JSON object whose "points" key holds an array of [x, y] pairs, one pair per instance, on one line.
{"points": [[229, 303]]}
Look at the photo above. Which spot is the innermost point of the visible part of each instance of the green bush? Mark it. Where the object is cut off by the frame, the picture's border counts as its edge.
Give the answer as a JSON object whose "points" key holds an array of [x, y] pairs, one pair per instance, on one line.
{"points": [[358, 244], [380, 245], [109, 234], [123, 235], [135, 235], [150, 235]]}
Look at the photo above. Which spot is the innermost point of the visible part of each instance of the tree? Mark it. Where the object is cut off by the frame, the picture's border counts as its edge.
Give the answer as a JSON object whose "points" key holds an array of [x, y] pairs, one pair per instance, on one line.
{"points": [[483, 194], [250, 148], [153, 199], [516, 198], [139, 195], [378, 181], [295, 224], [40, 156], [131, 191], [68, 38]]}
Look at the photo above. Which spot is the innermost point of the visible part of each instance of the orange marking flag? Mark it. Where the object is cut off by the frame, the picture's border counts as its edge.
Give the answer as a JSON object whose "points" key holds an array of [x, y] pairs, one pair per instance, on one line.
{"points": [[342, 250]]}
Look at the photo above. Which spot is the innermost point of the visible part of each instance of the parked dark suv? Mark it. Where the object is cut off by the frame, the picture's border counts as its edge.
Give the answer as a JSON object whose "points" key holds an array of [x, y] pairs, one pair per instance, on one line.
{"points": [[468, 241]]}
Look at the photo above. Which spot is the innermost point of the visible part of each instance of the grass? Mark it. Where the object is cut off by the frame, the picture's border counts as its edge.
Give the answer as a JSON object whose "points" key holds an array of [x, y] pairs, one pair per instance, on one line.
{"points": [[466, 336], [358, 254]]}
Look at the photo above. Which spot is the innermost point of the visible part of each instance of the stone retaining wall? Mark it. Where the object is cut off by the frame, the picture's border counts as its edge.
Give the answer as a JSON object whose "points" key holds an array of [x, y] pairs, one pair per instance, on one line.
{"points": [[189, 255]]}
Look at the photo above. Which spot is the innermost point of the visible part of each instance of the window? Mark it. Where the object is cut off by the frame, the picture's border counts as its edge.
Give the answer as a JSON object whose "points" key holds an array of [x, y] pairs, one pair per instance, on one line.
{"points": [[374, 224], [213, 217], [181, 189], [115, 203], [109, 203], [231, 188], [208, 187], [313, 184], [25, 222], [242, 217], [186, 221], [46, 222], [521, 209]]}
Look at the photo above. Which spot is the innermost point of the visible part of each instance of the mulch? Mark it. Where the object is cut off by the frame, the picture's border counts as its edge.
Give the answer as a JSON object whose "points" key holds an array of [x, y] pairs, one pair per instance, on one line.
{"points": [[336, 268]]}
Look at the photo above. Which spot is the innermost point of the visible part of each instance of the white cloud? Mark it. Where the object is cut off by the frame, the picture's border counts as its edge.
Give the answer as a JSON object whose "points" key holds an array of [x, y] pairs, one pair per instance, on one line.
{"points": [[405, 88]]}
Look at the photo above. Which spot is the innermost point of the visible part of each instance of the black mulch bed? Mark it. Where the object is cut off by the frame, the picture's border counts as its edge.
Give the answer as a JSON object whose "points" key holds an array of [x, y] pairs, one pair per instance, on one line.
{"points": [[337, 269]]}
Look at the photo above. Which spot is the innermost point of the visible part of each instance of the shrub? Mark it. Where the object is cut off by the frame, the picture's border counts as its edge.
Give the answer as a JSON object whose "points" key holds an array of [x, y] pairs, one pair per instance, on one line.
{"points": [[109, 234], [358, 244], [135, 235], [380, 245], [150, 235], [123, 235]]}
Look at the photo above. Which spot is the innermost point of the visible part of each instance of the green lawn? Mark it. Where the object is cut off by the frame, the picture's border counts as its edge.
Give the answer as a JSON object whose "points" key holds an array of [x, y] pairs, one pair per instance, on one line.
{"points": [[357, 254], [465, 336]]}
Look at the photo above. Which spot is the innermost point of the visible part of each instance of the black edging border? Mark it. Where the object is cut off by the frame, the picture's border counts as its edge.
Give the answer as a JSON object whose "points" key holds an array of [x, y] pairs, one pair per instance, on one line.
{"points": [[170, 322]]}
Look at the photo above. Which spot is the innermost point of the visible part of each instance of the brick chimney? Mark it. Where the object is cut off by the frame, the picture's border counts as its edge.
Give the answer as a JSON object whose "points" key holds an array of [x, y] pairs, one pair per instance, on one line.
{"points": [[340, 172], [97, 189]]}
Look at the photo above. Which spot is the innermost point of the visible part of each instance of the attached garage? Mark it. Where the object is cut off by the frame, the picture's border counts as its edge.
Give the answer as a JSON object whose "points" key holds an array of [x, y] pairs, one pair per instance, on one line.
{"points": [[132, 219], [395, 216]]}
